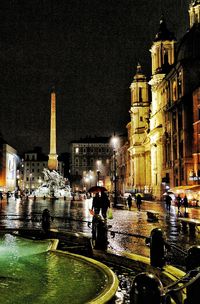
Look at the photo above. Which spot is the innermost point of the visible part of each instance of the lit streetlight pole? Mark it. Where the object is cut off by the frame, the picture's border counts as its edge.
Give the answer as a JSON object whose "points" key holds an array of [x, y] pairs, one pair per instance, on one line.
{"points": [[90, 178], [30, 180], [114, 142], [98, 171], [17, 180]]}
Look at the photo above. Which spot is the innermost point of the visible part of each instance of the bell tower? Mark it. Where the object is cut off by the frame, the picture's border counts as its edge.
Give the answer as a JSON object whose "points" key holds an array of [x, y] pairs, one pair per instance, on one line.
{"points": [[139, 104], [53, 162], [194, 12], [139, 127], [162, 50]]}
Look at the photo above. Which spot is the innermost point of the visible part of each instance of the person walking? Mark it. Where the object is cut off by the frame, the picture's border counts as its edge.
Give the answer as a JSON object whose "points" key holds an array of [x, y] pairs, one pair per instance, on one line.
{"points": [[185, 203], [178, 200], [96, 203], [105, 204], [7, 196], [1, 198], [138, 201], [168, 202], [129, 200]]}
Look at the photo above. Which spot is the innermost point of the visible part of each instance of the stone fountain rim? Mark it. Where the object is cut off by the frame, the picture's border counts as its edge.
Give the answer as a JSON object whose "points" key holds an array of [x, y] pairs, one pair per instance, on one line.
{"points": [[111, 285]]}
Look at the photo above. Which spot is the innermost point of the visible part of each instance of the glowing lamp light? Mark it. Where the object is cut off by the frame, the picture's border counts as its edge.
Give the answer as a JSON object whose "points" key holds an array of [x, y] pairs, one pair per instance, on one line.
{"points": [[114, 141]]}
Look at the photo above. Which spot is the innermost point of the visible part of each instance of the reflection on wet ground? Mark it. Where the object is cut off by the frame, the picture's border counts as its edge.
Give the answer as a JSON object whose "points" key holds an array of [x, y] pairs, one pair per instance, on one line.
{"points": [[74, 215]]}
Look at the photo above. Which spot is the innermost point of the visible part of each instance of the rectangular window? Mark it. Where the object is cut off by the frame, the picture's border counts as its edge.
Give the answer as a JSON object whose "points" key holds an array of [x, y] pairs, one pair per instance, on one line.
{"points": [[140, 94]]}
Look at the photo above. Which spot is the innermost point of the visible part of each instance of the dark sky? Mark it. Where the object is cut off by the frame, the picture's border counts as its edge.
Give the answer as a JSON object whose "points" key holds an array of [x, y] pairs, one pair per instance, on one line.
{"points": [[89, 50]]}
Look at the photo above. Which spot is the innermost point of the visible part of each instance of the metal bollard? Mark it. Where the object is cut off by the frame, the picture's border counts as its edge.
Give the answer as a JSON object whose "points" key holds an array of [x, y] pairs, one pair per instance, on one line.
{"points": [[157, 248], [192, 262], [146, 288], [46, 219], [99, 233]]}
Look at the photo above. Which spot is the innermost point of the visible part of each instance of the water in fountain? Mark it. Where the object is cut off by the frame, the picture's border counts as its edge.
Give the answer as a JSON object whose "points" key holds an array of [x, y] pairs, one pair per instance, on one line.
{"points": [[54, 186]]}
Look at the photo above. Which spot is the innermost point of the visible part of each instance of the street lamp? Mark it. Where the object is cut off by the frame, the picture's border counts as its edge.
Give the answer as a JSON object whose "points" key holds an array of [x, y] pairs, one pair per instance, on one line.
{"points": [[17, 177], [30, 180], [90, 178], [98, 171], [114, 142]]}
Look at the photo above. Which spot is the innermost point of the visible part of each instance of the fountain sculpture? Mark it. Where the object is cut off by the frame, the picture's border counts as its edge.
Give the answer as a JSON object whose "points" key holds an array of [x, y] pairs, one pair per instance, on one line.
{"points": [[54, 186]]}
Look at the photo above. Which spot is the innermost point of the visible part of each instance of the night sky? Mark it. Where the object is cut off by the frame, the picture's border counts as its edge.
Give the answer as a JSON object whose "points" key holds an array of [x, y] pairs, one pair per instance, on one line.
{"points": [[88, 50]]}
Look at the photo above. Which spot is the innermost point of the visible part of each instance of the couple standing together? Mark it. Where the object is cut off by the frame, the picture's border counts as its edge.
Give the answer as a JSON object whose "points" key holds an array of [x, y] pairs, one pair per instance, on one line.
{"points": [[101, 203]]}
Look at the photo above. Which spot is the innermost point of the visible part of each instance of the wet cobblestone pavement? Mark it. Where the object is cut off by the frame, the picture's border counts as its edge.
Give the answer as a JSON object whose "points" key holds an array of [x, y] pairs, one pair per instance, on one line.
{"points": [[126, 225], [128, 232]]}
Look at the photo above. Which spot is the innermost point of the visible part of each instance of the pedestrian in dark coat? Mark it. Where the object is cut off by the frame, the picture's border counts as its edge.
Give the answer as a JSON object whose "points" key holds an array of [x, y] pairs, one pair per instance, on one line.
{"points": [[96, 203], [178, 201], [138, 201], [105, 204], [185, 203], [129, 199], [168, 202]]}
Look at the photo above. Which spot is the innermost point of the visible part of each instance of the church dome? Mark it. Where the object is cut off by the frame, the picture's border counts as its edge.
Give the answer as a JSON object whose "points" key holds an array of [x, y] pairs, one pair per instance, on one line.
{"points": [[189, 46]]}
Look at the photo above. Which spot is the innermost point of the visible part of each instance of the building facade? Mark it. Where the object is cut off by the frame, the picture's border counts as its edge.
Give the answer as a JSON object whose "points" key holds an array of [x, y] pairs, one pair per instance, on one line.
{"points": [[167, 147], [8, 167], [138, 130], [30, 173], [195, 174], [90, 163]]}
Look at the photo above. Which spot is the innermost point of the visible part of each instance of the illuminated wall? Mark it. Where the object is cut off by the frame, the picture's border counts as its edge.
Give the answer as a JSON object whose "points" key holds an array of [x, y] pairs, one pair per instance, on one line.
{"points": [[8, 168]]}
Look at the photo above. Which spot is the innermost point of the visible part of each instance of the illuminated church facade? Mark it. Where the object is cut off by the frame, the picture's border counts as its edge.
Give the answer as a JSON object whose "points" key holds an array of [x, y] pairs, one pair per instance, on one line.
{"points": [[164, 127]]}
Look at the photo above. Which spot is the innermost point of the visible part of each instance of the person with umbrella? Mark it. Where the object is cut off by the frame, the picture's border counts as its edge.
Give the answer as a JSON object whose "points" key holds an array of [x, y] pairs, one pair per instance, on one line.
{"points": [[96, 203], [105, 204]]}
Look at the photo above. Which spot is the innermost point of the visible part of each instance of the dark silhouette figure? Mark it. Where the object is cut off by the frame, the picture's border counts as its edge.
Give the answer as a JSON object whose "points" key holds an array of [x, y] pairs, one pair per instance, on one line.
{"points": [[168, 202], [185, 203], [99, 232], [1, 196], [8, 196], [129, 199], [138, 201], [178, 200], [96, 204], [105, 204], [46, 219]]}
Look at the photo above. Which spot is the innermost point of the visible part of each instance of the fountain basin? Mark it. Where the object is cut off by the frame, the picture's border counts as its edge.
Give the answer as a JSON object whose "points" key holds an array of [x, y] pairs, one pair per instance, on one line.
{"points": [[34, 271], [137, 263]]}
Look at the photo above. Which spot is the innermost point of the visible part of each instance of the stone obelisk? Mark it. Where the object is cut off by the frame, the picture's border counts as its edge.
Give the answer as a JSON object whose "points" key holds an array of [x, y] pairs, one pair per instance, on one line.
{"points": [[53, 162]]}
